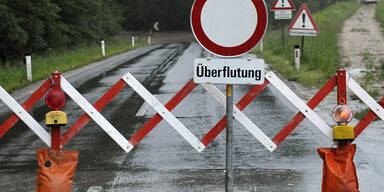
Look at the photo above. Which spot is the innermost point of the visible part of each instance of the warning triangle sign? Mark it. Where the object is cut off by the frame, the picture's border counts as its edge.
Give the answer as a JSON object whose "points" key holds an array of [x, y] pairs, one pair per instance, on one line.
{"points": [[303, 24], [283, 5]]}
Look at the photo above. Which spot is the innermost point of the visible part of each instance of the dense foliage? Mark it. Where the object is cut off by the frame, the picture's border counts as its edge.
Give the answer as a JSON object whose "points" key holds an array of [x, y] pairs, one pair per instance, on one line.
{"points": [[380, 14], [142, 14], [174, 14], [40, 25]]}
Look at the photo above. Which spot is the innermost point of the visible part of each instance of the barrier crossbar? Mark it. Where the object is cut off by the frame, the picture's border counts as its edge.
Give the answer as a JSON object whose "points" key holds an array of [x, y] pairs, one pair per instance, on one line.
{"points": [[242, 118], [25, 117], [364, 96], [96, 116], [27, 105], [299, 104], [241, 105], [99, 105], [199, 145], [299, 117], [163, 111], [368, 118]]}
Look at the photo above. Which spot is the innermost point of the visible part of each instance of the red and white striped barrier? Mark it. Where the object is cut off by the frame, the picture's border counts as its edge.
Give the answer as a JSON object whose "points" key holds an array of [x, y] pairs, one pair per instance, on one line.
{"points": [[164, 111], [95, 115], [242, 118], [20, 112]]}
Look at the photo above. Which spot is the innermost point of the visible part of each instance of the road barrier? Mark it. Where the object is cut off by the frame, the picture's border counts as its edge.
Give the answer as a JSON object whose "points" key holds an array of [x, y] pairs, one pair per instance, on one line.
{"points": [[341, 81], [163, 111]]}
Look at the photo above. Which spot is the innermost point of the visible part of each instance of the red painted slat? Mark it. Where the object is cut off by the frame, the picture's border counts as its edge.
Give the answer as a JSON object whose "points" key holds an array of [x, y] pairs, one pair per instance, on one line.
{"points": [[27, 105], [368, 118], [299, 117], [150, 124], [341, 87], [100, 104], [55, 138], [246, 100], [251, 95]]}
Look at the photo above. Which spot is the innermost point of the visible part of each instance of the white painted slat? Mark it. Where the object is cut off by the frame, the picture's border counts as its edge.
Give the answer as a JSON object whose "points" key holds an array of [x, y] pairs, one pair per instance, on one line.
{"points": [[163, 112], [96, 116], [299, 104], [365, 97], [25, 117], [242, 118]]}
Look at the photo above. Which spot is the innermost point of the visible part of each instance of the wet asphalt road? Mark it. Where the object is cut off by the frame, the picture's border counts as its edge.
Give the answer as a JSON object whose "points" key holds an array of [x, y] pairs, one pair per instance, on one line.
{"points": [[163, 161]]}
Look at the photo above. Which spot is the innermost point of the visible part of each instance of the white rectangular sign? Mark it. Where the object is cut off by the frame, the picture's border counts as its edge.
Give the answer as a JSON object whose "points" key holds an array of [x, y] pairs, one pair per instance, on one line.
{"points": [[229, 71], [283, 14], [303, 32]]}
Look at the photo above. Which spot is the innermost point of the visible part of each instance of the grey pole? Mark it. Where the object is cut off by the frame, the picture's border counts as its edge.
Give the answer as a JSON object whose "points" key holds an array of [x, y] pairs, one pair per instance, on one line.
{"points": [[282, 34], [229, 141], [302, 45]]}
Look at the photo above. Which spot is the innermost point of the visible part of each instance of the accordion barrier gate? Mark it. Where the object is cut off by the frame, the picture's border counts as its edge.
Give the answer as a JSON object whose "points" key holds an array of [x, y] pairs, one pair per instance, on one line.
{"points": [[56, 141]]}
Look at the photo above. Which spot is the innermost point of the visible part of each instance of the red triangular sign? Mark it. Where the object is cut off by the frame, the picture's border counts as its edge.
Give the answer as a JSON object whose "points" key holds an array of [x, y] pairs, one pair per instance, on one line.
{"points": [[303, 24], [283, 5]]}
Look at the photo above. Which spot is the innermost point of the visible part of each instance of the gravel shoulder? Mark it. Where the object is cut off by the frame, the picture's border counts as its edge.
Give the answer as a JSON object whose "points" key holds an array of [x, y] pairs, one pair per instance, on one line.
{"points": [[361, 48]]}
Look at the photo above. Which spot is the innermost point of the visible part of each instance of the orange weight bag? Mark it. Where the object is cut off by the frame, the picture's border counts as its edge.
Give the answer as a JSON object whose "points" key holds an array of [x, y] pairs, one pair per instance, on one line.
{"points": [[339, 172], [55, 174]]}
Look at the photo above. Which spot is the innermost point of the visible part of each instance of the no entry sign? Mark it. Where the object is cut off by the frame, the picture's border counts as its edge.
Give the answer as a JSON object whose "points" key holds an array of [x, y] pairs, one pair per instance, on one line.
{"points": [[229, 28]]}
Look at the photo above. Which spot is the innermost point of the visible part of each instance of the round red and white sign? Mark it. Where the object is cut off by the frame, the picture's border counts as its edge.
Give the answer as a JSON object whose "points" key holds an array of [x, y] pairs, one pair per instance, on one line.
{"points": [[229, 28]]}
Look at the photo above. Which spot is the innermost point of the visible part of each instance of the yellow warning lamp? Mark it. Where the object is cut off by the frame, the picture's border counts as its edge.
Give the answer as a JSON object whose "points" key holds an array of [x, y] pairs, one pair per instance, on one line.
{"points": [[55, 118], [342, 114]]}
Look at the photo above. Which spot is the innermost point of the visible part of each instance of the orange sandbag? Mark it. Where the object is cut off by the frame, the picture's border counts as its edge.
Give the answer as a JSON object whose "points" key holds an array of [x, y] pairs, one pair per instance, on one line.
{"points": [[339, 171], [56, 174]]}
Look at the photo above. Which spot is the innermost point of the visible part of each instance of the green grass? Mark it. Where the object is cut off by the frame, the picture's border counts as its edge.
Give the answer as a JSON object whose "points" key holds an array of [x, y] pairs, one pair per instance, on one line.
{"points": [[380, 13], [321, 53], [361, 114], [14, 76]]}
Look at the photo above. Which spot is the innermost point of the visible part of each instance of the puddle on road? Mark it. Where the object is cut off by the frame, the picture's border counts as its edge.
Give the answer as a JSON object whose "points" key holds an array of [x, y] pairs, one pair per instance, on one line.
{"points": [[208, 180]]}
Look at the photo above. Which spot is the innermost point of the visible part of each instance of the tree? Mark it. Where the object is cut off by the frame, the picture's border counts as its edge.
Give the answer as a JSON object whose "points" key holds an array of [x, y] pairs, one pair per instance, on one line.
{"points": [[141, 14], [12, 37], [41, 25], [35, 17]]}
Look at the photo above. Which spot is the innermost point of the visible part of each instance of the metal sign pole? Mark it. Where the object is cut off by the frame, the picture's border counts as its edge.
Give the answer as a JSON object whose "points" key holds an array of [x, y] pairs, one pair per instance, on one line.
{"points": [[282, 34], [302, 45], [229, 141]]}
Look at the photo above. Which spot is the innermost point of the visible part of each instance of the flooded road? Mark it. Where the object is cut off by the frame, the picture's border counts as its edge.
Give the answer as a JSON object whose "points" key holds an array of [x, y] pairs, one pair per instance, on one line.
{"points": [[163, 160]]}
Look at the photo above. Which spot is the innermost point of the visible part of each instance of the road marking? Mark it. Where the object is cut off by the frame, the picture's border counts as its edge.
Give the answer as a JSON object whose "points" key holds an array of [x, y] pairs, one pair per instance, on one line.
{"points": [[143, 109], [96, 189]]}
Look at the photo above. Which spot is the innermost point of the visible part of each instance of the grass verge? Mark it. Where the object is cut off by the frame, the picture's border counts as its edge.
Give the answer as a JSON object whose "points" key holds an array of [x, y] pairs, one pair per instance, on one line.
{"points": [[380, 13], [321, 53], [14, 76]]}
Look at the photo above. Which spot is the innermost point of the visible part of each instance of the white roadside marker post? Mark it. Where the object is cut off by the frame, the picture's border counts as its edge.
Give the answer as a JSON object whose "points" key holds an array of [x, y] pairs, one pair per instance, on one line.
{"points": [[102, 43], [297, 53], [28, 62]]}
